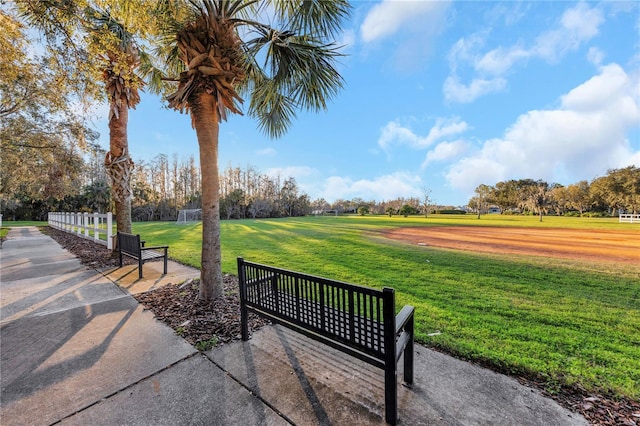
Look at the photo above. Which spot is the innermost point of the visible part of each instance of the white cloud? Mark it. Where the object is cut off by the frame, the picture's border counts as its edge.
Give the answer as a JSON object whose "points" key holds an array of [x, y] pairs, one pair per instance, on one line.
{"points": [[577, 25], [445, 151], [410, 26], [465, 50], [386, 18], [444, 128], [387, 187], [499, 61], [455, 91], [611, 86], [581, 139], [595, 56], [396, 134], [509, 12]]}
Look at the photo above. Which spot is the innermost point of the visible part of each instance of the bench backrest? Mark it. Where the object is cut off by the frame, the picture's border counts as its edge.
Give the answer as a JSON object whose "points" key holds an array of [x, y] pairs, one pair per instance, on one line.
{"points": [[129, 243], [351, 314]]}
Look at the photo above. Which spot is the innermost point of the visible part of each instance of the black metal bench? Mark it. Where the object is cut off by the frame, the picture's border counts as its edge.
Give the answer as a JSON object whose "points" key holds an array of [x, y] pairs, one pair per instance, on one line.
{"points": [[131, 245], [357, 320]]}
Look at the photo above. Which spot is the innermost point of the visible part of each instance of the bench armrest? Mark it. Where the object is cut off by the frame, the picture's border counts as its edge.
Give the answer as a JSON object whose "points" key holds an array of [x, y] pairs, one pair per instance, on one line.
{"points": [[154, 248], [405, 314]]}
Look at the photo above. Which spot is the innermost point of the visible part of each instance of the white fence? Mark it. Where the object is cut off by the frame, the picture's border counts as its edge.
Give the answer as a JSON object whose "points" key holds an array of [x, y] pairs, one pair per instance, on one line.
{"points": [[86, 225], [630, 218]]}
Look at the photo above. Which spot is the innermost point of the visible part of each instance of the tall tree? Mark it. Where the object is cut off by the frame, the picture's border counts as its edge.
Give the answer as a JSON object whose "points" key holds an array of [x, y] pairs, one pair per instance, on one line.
{"points": [[505, 195], [41, 131], [93, 39], [537, 196], [282, 67], [426, 200], [619, 189], [578, 197], [120, 58], [288, 197], [483, 194]]}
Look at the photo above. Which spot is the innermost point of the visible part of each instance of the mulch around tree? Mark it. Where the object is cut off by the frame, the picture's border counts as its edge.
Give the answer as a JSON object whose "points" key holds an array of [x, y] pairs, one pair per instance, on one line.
{"points": [[207, 324], [203, 324]]}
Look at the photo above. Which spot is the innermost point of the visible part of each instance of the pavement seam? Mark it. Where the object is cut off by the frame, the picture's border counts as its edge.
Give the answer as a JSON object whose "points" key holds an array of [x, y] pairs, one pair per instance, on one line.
{"points": [[260, 398], [114, 393]]}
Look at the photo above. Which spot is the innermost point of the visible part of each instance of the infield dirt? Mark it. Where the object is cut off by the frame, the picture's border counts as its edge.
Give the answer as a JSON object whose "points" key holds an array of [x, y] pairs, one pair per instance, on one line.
{"points": [[612, 246]]}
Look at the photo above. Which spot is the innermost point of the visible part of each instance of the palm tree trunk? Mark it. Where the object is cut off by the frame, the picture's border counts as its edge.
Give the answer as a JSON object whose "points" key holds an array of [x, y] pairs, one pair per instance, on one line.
{"points": [[205, 121], [119, 166]]}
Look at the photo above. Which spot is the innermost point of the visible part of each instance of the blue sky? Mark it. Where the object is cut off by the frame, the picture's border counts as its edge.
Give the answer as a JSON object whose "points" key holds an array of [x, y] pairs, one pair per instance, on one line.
{"points": [[444, 96]]}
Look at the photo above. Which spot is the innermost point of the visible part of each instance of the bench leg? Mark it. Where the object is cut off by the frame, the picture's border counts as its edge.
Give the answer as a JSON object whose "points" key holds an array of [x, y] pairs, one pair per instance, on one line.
{"points": [[408, 354], [408, 365], [244, 321], [390, 362], [390, 393], [165, 262], [140, 263]]}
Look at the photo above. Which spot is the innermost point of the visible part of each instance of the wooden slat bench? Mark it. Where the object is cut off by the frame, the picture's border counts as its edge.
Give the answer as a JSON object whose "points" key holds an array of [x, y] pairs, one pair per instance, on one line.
{"points": [[131, 246], [357, 320]]}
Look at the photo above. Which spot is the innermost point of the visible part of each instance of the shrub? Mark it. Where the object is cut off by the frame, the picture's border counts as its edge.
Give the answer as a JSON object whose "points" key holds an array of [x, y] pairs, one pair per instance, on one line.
{"points": [[572, 214], [407, 210], [597, 214], [451, 211]]}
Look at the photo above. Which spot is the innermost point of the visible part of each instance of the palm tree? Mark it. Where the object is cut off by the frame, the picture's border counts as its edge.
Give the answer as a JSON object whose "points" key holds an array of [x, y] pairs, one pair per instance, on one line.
{"points": [[224, 53], [93, 40], [121, 58]]}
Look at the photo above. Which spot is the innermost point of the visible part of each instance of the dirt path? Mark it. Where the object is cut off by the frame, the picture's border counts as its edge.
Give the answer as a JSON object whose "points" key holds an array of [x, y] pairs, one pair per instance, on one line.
{"points": [[594, 245]]}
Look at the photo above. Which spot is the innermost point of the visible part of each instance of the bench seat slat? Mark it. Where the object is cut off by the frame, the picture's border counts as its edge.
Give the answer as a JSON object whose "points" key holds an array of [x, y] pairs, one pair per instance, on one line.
{"points": [[150, 254]]}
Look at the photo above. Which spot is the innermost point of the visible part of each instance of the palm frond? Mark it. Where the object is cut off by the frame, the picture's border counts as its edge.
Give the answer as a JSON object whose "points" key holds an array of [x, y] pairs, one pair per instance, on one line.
{"points": [[300, 68], [273, 110], [311, 68], [320, 18], [102, 23], [153, 74]]}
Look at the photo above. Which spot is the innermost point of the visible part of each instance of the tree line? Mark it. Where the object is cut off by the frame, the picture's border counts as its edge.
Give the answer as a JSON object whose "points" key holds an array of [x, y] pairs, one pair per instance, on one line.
{"points": [[161, 187], [617, 191]]}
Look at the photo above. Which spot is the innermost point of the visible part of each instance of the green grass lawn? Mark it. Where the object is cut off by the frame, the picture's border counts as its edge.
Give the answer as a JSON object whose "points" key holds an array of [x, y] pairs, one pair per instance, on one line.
{"points": [[562, 321], [19, 223]]}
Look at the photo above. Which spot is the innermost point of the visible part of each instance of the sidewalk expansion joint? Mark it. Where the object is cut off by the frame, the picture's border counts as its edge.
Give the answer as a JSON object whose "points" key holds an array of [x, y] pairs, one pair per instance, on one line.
{"points": [[129, 386], [259, 397]]}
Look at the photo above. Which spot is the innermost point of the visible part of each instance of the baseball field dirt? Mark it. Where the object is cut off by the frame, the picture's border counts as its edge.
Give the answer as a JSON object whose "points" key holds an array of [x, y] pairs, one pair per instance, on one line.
{"points": [[614, 246]]}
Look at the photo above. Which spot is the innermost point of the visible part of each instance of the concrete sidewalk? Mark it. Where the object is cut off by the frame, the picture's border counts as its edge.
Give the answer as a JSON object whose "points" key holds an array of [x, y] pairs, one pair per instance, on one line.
{"points": [[76, 348]]}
